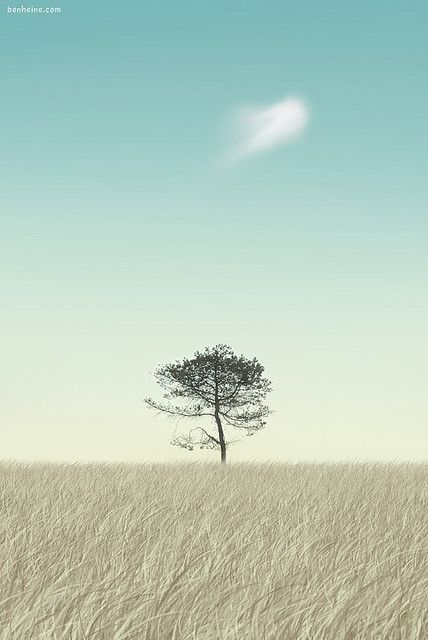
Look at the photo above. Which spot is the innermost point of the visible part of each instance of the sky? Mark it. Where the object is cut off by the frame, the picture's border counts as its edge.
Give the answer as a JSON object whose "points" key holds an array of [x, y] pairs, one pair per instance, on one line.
{"points": [[146, 212]]}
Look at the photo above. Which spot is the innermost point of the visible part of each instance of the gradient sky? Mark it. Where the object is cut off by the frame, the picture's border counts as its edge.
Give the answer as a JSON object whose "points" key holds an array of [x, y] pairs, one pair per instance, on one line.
{"points": [[125, 242]]}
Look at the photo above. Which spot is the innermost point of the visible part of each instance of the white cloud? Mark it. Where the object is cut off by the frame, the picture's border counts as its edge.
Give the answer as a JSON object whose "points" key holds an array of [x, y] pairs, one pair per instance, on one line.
{"points": [[261, 129]]}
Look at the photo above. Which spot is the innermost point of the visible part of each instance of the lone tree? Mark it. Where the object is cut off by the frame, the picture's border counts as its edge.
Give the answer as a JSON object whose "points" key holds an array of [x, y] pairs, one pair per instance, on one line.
{"points": [[214, 384]]}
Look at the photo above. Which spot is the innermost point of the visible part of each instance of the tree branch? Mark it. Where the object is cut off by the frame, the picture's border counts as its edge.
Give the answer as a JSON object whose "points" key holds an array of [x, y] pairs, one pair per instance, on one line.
{"points": [[176, 411]]}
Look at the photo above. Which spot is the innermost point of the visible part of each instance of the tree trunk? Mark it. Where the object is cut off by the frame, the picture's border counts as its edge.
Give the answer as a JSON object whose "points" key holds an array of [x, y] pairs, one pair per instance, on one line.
{"points": [[220, 435], [217, 418]]}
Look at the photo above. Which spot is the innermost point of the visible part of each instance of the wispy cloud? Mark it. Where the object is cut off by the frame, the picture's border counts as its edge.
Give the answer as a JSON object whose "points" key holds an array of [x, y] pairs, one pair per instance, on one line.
{"points": [[260, 129]]}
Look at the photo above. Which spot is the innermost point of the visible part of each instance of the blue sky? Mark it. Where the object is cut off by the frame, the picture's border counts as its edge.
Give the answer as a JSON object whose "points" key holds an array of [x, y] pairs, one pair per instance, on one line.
{"points": [[126, 242]]}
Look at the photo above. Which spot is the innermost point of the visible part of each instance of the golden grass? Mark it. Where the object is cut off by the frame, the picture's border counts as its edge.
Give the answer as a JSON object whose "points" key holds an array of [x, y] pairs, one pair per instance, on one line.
{"points": [[203, 552]]}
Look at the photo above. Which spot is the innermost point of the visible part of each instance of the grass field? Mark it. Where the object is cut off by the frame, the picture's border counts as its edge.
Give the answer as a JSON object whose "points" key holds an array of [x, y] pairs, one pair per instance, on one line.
{"points": [[203, 552]]}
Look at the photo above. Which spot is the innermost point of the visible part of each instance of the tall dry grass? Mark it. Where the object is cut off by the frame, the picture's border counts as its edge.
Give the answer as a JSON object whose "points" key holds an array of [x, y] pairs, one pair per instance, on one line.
{"points": [[203, 552]]}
